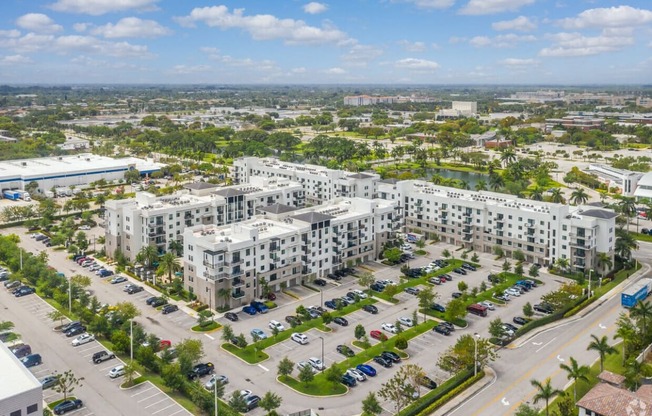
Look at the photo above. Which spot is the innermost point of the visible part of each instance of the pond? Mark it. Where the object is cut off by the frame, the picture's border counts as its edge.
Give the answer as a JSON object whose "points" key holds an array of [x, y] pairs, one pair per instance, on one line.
{"points": [[472, 178]]}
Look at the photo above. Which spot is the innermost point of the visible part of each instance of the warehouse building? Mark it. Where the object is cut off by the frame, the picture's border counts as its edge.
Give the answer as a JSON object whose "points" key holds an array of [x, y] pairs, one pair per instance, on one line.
{"points": [[21, 393]]}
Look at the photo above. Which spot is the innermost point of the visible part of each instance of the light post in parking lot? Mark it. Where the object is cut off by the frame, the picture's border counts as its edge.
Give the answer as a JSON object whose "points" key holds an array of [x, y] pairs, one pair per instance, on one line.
{"points": [[215, 397], [131, 339], [210, 301], [70, 294], [475, 355], [589, 292], [323, 365]]}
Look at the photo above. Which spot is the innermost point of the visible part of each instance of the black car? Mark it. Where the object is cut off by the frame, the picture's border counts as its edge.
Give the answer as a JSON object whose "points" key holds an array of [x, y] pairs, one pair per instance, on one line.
{"points": [[543, 308], [341, 321], [427, 382], [159, 302], [448, 325], [383, 361], [460, 271], [340, 273], [23, 291], [237, 342], [438, 307], [345, 351], [320, 282], [392, 356], [370, 308], [70, 325], [333, 277], [440, 329], [456, 295], [519, 320], [348, 380], [201, 370], [67, 406], [467, 266], [231, 316], [75, 331], [510, 326], [151, 300], [134, 289], [292, 320], [377, 287], [447, 277], [169, 309]]}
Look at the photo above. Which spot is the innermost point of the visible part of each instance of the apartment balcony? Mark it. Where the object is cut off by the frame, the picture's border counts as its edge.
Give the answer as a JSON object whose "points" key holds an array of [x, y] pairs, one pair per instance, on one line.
{"points": [[337, 259], [580, 254], [468, 238], [468, 220], [213, 265], [237, 273], [237, 283], [352, 227], [188, 223], [237, 295], [158, 233], [467, 213], [214, 275], [231, 263], [580, 244], [467, 230]]}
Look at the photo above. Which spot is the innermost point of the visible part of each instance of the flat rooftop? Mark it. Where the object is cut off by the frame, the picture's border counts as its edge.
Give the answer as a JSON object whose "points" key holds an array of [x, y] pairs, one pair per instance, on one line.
{"points": [[16, 378]]}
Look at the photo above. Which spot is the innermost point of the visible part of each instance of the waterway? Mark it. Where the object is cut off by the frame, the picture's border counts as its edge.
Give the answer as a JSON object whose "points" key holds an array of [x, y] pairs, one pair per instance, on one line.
{"points": [[471, 178]]}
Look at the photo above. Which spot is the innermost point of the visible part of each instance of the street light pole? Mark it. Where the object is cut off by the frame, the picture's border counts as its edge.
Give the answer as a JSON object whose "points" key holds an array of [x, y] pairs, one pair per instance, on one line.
{"points": [[70, 294], [589, 294], [131, 339], [475, 354], [210, 301], [322, 352], [215, 392]]}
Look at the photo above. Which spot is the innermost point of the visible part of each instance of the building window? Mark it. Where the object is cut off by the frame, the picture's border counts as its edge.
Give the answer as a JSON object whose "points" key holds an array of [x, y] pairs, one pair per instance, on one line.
{"points": [[16, 413], [31, 409]]}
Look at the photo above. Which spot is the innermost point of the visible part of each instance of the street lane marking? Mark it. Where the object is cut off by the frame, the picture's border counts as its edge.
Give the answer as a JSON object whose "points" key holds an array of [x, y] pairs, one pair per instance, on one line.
{"points": [[179, 411], [210, 337], [561, 360], [504, 401], [261, 366], [546, 344], [601, 326]]}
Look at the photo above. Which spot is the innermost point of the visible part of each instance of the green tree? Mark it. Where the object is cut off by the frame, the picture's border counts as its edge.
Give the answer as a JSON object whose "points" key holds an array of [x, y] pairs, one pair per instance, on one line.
{"points": [[131, 368], [528, 311], [507, 266], [576, 372], [602, 347], [400, 342], [565, 405], [237, 402], [392, 254], [270, 402], [169, 264], [496, 328], [604, 262], [446, 253], [518, 269], [334, 374], [371, 406], [67, 383], [172, 376], [366, 279], [285, 367], [391, 290], [461, 356], [545, 392], [526, 410], [533, 271], [426, 297], [306, 374], [518, 256], [462, 286], [579, 197], [359, 332], [498, 251], [475, 258], [557, 196], [642, 312], [397, 390], [227, 333], [455, 309], [55, 315], [327, 318]]}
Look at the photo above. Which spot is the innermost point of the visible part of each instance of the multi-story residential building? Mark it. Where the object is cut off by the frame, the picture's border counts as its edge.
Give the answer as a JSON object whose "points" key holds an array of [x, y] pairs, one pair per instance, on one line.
{"points": [[21, 394], [320, 184], [285, 246], [134, 223], [543, 231], [625, 180]]}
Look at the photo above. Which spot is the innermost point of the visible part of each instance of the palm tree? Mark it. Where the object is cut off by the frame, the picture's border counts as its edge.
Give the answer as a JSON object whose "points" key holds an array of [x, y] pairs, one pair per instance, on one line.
{"points": [[625, 243], [579, 196], [576, 372], [536, 194], [545, 391], [601, 345], [224, 294], [169, 263], [562, 263], [496, 181], [627, 206], [557, 196], [626, 330], [604, 262], [481, 185], [508, 156], [642, 312], [176, 246], [147, 255]]}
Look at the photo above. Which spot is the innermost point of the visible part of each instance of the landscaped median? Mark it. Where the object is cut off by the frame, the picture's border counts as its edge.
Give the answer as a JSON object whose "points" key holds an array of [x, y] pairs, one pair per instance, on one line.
{"points": [[321, 381], [254, 354]]}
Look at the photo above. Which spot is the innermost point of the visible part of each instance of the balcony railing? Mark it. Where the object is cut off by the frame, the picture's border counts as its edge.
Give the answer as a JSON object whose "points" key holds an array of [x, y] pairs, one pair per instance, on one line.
{"points": [[233, 262], [237, 295], [237, 282], [214, 265]]}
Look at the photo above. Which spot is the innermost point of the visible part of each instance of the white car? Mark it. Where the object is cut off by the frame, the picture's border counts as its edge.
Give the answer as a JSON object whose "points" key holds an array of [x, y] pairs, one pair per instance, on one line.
{"points": [[508, 331], [389, 327], [360, 293], [406, 321], [356, 374], [513, 292], [387, 282], [276, 325], [210, 384], [300, 338], [302, 364], [85, 227], [406, 247], [316, 363], [488, 305], [117, 371], [83, 339], [245, 394]]}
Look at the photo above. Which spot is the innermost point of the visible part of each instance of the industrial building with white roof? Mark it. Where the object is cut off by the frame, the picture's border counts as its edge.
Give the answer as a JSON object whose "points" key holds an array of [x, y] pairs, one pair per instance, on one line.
{"points": [[20, 392]]}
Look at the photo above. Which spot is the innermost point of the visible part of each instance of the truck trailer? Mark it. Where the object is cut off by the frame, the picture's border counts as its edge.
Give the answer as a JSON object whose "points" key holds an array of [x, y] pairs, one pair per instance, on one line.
{"points": [[636, 292], [13, 195]]}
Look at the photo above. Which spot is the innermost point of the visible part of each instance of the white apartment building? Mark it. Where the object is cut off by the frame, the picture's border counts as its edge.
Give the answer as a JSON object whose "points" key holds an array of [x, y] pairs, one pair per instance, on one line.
{"points": [[320, 184], [285, 246], [543, 231], [625, 180], [21, 394], [134, 223]]}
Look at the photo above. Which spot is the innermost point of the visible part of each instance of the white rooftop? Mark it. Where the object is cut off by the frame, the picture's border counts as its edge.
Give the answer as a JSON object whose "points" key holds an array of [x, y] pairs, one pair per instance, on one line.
{"points": [[16, 378]]}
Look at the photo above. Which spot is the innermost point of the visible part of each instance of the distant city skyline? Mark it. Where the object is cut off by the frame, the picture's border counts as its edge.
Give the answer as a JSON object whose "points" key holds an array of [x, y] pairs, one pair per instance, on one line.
{"points": [[396, 42]]}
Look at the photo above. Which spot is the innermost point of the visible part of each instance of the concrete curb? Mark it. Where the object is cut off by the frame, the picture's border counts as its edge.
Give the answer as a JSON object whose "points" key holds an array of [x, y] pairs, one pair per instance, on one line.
{"points": [[489, 378]]}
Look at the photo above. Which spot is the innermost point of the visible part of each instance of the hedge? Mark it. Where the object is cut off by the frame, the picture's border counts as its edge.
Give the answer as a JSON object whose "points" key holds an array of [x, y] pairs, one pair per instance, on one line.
{"points": [[431, 401]]}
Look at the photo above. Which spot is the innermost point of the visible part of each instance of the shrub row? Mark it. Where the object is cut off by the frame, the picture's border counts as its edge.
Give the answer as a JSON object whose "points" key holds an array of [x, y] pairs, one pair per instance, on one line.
{"points": [[431, 401]]}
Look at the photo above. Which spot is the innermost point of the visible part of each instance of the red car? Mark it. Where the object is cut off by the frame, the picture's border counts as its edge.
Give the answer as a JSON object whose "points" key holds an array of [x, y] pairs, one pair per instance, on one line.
{"points": [[378, 335], [271, 296], [165, 344]]}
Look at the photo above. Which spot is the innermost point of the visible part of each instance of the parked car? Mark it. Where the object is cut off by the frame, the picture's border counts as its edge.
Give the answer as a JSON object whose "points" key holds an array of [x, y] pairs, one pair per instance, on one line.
{"points": [[427, 382], [331, 304], [102, 356], [159, 302], [345, 350], [341, 321], [460, 271], [438, 307], [543, 308], [259, 306], [258, 333], [200, 370], [70, 325], [24, 291], [435, 280], [378, 335], [316, 363], [519, 320], [250, 310], [48, 381], [448, 325], [292, 320], [366, 369], [76, 330], [134, 289], [392, 356], [382, 361], [348, 380], [456, 295], [21, 350], [303, 364], [299, 337], [252, 402], [118, 279], [488, 305], [441, 329], [169, 309], [376, 287], [231, 316], [320, 282], [117, 371], [412, 290], [83, 339], [67, 406], [215, 379], [513, 292], [359, 293], [370, 308], [356, 374], [406, 321], [389, 327], [31, 360]]}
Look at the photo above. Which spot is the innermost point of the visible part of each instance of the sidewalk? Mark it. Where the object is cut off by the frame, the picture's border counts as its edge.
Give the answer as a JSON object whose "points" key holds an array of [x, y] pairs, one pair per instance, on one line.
{"points": [[489, 378]]}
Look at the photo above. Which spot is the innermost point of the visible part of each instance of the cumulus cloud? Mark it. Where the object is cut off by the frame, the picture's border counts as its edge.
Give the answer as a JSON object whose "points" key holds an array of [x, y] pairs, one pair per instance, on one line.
{"points": [[38, 22], [299, 70], [99, 7], [508, 40], [15, 60], [315, 8], [478, 7], [620, 16], [335, 71], [519, 24], [33, 42], [518, 62], [416, 64], [575, 44], [430, 4], [189, 69], [412, 46], [361, 54], [132, 27], [264, 26], [81, 27], [262, 65], [13, 33]]}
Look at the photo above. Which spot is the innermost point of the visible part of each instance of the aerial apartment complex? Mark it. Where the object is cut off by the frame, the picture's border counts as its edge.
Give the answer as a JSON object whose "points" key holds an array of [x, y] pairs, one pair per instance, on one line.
{"points": [[285, 246]]}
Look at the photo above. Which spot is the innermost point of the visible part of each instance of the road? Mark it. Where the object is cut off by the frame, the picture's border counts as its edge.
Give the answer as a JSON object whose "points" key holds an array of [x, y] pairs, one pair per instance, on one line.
{"points": [[540, 356]]}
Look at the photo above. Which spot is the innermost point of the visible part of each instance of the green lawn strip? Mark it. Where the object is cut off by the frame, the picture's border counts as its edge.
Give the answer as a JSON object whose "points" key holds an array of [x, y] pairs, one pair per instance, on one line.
{"points": [[423, 280], [642, 237], [211, 326], [612, 362], [318, 387], [247, 354]]}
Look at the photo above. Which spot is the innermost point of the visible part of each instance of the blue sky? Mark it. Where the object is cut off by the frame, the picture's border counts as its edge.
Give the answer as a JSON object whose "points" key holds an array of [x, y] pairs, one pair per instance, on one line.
{"points": [[343, 41]]}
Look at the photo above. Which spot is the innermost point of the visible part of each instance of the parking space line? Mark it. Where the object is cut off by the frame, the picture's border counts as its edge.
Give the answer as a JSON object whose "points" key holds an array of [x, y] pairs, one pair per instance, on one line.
{"points": [[181, 410], [153, 404], [141, 392], [149, 397], [167, 407]]}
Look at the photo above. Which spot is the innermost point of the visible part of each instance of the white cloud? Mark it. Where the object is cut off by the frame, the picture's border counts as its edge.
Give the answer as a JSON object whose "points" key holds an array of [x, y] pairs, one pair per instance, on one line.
{"points": [[315, 8], [456, 39], [361, 54], [412, 46], [38, 22], [15, 60], [621, 16], [520, 24], [264, 26], [299, 70], [64, 45], [13, 33], [576, 44], [99, 7], [132, 27], [81, 27], [478, 7], [508, 40], [189, 69], [430, 4], [416, 64], [518, 62], [335, 71], [263, 65]]}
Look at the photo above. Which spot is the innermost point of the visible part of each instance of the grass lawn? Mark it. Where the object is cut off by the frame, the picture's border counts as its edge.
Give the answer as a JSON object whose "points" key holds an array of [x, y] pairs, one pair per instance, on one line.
{"points": [[318, 387], [56, 402], [248, 353], [642, 237], [211, 326]]}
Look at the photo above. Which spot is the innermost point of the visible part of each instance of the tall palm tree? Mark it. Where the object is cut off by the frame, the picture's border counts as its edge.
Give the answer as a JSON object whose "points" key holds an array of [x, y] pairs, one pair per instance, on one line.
{"points": [[557, 196], [604, 262], [642, 312], [601, 345], [627, 206], [575, 372], [224, 294], [625, 243], [545, 391], [169, 263], [507, 156], [176, 246], [562, 263], [481, 185], [579, 196], [147, 255], [536, 194], [496, 181], [626, 330]]}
